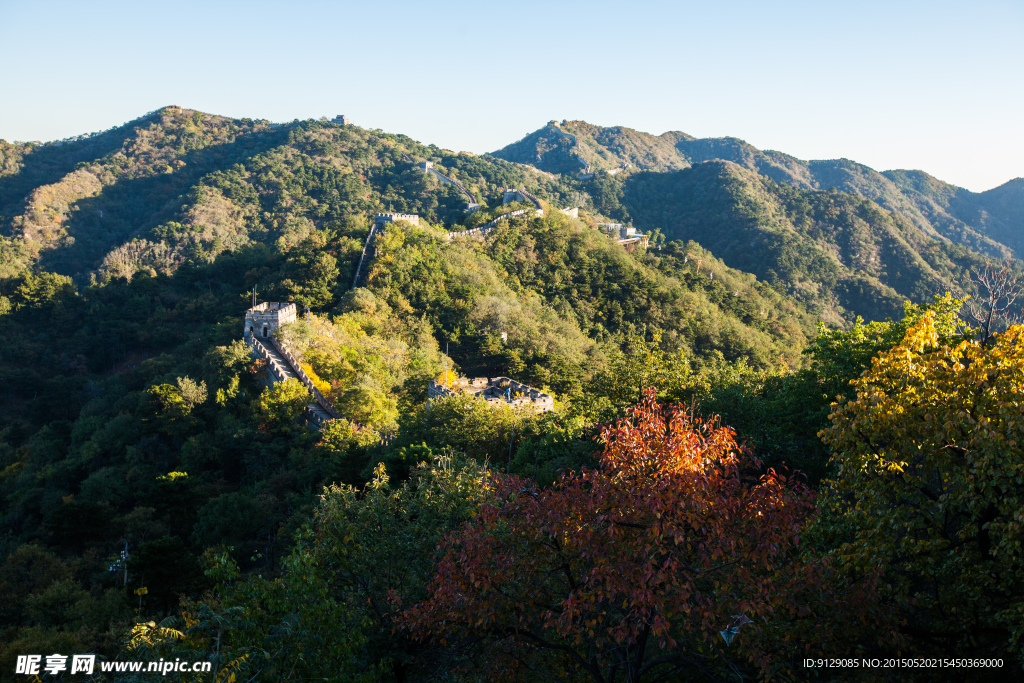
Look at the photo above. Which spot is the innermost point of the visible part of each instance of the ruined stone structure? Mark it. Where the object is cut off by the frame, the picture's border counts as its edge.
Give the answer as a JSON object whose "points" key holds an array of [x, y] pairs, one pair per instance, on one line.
{"points": [[340, 120], [494, 390], [262, 320]]}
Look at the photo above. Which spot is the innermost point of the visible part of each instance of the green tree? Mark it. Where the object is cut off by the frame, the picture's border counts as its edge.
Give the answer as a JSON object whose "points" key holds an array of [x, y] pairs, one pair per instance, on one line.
{"points": [[484, 430], [330, 614], [929, 488], [840, 356], [175, 404], [32, 290], [343, 445], [280, 406], [312, 272], [371, 406]]}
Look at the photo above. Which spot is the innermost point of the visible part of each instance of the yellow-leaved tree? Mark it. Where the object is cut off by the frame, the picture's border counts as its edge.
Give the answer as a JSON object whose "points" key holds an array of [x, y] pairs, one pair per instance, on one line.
{"points": [[930, 489], [322, 386]]}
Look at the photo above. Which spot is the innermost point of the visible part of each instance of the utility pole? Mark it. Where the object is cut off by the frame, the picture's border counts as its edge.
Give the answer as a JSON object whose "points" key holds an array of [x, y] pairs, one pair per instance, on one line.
{"points": [[515, 419]]}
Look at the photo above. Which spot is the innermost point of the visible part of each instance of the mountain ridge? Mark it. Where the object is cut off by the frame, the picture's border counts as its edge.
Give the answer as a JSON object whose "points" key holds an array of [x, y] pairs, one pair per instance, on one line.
{"points": [[179, 186], [981, 221]]}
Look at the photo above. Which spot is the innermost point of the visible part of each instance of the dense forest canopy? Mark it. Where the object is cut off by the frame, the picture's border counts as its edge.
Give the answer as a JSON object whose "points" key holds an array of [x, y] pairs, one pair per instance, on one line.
{"points": [[774, 427]]}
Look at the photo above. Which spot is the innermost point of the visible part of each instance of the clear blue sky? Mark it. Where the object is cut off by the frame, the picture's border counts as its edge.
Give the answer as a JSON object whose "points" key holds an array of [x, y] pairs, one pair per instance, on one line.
{"points": [[932, 85]]}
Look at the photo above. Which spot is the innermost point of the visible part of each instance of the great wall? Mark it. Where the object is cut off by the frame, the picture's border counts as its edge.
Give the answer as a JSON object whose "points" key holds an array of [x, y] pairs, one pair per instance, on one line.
{"points": [[261, 321], [510, 195], [381, 219], [629, 238], [264, 319], [370, 239], [575, 145], [471, 202], [482, 230]]}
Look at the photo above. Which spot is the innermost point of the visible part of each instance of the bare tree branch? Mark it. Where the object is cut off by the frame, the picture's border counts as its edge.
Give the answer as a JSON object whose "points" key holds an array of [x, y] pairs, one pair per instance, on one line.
{"points": [[997, 303]]}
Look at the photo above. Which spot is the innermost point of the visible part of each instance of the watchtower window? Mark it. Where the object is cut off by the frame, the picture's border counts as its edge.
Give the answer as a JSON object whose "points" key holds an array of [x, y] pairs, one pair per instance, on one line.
{"points": [[264, 331]]}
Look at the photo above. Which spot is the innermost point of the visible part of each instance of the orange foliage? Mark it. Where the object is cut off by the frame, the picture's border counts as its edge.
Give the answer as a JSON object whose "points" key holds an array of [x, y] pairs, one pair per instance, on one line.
{"points": [[635, 567]]}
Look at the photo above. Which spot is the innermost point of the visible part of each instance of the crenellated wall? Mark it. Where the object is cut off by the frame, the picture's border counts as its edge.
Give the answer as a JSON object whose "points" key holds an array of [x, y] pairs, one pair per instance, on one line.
{"points": [[484, 229], [281, 364], [428, 167], [279, 372], [304, 378], [382, 218], [263, 319], [514, 195], [367, 249]]}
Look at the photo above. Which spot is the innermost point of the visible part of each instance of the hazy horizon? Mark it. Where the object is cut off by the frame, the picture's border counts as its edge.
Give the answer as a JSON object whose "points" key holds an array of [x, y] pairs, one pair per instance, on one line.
{"points": [[905, 85]]}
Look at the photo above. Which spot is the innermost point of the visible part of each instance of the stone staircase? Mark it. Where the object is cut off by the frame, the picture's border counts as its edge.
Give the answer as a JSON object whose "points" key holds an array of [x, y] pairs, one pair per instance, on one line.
{"points": [[281, 368], [367, 255]]}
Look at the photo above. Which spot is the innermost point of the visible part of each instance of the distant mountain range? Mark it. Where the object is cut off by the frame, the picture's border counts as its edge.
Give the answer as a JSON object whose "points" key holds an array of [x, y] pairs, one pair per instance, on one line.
{"points": [[991, 222], [178, 185], [840, 236]]}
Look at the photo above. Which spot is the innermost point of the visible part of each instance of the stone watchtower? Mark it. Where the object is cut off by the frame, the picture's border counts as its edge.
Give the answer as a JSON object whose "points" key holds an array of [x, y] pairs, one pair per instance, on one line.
{"points": [[263, 319]]}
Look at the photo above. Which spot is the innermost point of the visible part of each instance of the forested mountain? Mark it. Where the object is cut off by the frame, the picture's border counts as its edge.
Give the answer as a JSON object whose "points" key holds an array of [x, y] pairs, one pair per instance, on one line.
{"points": [[837, 235], [989, 222], [176, 183], [994, 213], [162, 498], [179, 184], [841, 254]]}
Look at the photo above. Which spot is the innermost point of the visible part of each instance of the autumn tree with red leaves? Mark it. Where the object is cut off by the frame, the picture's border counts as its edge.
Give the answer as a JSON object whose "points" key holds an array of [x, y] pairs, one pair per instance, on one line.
{"points": [[639, 569]]}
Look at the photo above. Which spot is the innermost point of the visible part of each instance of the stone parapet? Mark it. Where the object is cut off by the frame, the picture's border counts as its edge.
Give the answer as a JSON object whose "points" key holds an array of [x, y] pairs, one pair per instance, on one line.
{"points": [[280, 371], [514, 195], [410, 218], [471, 202], [304, 378], [484, 229], [367, 246]]}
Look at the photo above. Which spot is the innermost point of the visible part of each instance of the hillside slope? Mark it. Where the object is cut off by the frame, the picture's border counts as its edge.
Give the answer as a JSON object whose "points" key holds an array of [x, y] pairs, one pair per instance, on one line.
{"points": [[179, 184], [839, 253], [182, 191], [180, 187], [535, 296]]}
